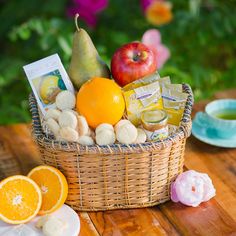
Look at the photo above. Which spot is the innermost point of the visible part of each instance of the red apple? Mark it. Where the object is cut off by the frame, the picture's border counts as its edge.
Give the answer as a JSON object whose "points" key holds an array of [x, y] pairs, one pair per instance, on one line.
{"points": [[131, 62]]}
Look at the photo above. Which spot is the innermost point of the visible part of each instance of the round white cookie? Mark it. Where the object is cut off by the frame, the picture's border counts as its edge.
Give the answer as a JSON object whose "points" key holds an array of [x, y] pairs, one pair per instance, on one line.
{"points": [[142, 137], [68, 119], [126, 133], [121, 123], [105, 137], [53, 126], [104, 126], [65, 100], [82, 126], [68, 134], [53, 227], [85, 140], [52, 113]]}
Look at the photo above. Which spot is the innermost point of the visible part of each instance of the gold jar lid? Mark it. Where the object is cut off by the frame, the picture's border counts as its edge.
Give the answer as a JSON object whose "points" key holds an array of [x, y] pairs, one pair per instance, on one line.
{"points": [[154, 119]]}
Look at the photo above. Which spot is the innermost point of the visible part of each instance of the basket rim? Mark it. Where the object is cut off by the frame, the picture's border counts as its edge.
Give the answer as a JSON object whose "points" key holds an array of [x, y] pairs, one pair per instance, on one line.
{"points": [[46, 140]]}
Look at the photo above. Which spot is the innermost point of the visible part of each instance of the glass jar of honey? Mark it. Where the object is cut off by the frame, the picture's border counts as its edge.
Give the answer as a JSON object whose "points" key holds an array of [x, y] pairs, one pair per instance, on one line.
{"points": [[155, 125]]}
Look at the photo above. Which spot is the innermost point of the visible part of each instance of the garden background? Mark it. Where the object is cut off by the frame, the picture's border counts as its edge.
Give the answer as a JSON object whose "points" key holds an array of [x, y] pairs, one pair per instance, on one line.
{"points": [[198, 34]]}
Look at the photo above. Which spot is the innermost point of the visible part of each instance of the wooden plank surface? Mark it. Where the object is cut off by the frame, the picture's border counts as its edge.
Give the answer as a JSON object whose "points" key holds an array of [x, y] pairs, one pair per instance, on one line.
{"points": [[132, 222], [19, 139], [216, 217]]}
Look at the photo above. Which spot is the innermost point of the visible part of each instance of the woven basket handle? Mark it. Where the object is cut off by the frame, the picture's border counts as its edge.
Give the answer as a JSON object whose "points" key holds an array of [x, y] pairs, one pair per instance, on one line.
{"points": [[186, 122], [36, 124]]}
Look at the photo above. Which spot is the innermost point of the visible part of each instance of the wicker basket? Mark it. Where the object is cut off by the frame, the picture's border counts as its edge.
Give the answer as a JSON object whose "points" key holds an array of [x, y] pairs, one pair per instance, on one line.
{"points": [[116, 176]]}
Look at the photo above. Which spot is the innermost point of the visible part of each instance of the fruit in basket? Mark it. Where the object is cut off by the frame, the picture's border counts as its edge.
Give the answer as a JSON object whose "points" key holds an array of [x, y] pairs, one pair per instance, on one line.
{"points": [[20, 199], [100, 100], [85, 61], [53, 186], [131, 62]]}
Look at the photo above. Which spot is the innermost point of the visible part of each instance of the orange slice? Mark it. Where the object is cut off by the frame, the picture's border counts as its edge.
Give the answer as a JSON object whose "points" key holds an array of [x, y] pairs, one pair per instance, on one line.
{"points": [[20, 199], [53, 186]]}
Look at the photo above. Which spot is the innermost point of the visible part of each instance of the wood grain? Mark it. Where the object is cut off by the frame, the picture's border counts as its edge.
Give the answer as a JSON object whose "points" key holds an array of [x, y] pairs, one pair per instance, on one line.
{"points": [[207, 219], [219, 164], [132, 222], [22, 146], [87, 227]]}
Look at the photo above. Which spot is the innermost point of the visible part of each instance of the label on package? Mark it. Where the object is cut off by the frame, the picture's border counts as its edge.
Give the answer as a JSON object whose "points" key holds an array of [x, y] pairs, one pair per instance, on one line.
{"points": [[47, 78], [157, 134]]}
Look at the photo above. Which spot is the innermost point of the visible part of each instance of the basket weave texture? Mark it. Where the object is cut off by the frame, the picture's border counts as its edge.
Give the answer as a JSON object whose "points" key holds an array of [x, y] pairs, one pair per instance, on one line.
{"points": [[116, 176]]}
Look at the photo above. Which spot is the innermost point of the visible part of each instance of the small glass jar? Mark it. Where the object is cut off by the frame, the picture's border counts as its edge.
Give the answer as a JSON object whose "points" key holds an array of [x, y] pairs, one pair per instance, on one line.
{"points": [[155, 125]]}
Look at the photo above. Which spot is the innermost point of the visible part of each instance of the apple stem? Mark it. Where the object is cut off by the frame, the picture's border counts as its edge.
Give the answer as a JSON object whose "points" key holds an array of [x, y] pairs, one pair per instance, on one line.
{"points": [[137, 56], [76, 21]]}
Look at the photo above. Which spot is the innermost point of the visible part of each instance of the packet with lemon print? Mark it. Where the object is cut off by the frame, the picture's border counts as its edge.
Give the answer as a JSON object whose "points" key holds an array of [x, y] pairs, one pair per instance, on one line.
{"points": [[142, 98], [174, 102], [142, 82], [47, 77]]}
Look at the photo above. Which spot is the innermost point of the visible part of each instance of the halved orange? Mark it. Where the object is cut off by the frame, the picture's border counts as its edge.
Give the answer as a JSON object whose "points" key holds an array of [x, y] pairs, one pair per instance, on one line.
{"points": [[20, 199], [53, 186]]}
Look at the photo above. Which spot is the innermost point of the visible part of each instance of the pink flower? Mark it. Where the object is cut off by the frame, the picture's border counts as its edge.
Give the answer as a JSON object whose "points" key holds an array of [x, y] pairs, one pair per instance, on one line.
{"points": [[87, 10], [192, 188], [152, 38]]}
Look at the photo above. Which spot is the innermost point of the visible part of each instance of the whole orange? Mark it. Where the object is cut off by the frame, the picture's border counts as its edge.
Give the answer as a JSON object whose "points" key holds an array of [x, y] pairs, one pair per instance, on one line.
{"points": [[100, 100]]}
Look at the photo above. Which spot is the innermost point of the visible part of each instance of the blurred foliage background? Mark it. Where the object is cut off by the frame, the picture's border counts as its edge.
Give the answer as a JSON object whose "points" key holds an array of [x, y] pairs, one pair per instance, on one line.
{"points": [[200, 37]]}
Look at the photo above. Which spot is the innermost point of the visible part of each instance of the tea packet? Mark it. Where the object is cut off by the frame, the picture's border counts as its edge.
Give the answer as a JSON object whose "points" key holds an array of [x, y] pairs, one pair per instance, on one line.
{"points": [[175, 87], [164, 81], [142, 98], [174, 103], [142, 82], [149, 79]]}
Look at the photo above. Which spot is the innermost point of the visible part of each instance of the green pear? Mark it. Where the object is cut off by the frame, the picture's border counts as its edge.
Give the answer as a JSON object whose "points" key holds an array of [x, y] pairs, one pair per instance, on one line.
{"points": [[85, 61]]}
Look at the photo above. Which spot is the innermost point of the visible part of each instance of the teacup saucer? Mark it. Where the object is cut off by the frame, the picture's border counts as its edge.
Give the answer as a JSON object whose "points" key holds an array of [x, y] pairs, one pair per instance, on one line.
{"points": [[208, 135]]}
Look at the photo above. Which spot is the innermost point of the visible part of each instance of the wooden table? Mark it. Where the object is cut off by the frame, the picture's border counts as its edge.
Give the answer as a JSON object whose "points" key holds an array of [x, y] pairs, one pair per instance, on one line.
{"points": [[216, 217]]}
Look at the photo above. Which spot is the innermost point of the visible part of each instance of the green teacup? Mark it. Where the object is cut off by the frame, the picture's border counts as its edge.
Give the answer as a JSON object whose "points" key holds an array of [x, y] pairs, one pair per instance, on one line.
{"points": [[220, 115]]}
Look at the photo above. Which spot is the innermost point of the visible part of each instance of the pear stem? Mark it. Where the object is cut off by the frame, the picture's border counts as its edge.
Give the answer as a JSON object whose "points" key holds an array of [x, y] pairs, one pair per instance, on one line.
{"points": [[76, 21]]}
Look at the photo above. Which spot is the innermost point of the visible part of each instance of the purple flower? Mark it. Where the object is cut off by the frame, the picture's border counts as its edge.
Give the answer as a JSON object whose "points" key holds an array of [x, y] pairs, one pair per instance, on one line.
{"points": [[87, 9], [192, 188], [145, 4]]}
